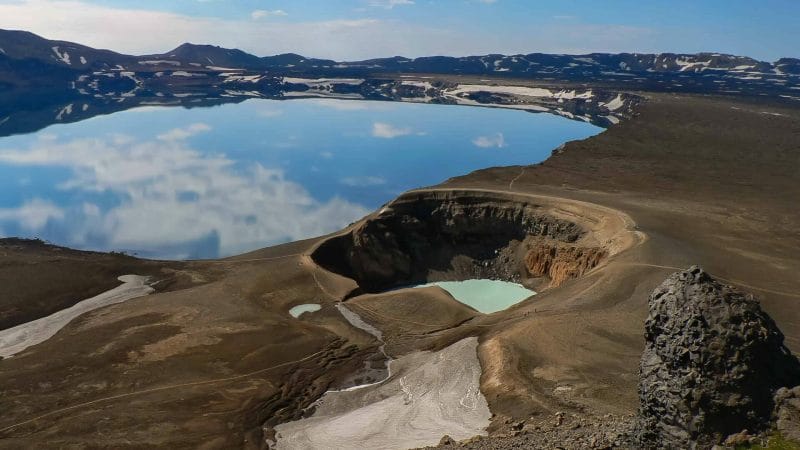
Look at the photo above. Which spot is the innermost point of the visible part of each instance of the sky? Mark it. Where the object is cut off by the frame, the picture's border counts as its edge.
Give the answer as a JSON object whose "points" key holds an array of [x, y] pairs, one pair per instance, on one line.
{"points": [[361, 29]]}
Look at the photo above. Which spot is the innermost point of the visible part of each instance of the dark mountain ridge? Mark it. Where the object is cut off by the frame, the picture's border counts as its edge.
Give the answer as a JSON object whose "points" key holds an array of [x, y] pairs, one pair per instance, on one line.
{"points": [[45, 81], [25, 45]]}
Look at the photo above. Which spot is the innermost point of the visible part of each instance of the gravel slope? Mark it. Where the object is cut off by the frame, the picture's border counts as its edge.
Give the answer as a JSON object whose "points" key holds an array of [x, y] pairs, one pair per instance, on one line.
{"points": [[429, 395]]}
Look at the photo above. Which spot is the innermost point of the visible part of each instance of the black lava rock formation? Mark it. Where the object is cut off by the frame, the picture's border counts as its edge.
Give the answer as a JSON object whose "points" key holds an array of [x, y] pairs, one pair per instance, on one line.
{"points": [[712, 364]]}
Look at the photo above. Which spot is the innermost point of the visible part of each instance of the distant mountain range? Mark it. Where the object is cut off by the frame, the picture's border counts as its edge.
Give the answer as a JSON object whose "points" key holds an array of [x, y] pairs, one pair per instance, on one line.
{"points": [[45, 81], [28, 53]]}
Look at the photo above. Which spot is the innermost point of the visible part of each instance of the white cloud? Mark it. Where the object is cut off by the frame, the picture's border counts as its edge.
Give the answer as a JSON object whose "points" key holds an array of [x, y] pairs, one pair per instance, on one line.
{"points": [[496, 141], [364, 181], [184, 133], [264, 13], [389, 131], [269, 113], [141, 31], [389, 4], [32, 215], [242, 209], [352, 105]]}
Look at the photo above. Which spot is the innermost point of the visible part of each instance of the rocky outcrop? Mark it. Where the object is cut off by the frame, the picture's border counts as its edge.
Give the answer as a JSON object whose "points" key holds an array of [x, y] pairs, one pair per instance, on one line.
{"points": [[787, 413], [713, 361], [464, 236], [561, 262]]}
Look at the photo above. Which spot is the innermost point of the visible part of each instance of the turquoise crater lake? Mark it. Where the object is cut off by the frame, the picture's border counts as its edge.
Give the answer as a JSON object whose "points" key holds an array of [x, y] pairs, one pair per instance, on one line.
{"points": [[179, 183], [486, 296]]}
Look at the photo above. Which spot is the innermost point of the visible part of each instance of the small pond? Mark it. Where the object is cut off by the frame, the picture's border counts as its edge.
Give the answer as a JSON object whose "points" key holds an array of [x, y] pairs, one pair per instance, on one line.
{"points": [[298, 310], [486, 296]]}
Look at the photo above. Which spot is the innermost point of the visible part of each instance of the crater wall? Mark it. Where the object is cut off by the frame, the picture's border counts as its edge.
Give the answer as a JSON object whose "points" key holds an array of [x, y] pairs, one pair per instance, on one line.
{"points": [[428, 236]]}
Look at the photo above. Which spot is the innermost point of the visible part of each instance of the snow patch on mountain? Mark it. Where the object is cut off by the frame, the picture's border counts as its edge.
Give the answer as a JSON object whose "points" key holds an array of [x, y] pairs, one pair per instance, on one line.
{"points": [[160, 62], [67, 110], [63, 57], [319, 82]]}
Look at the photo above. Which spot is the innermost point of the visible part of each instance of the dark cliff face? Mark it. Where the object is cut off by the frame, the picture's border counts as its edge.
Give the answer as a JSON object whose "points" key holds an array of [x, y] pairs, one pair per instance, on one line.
{"points": [[712, 363], [423, 233]]}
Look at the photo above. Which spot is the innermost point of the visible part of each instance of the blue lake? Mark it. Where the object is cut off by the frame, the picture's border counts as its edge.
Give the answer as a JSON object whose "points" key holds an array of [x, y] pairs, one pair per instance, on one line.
{"points": [[211, 182]]}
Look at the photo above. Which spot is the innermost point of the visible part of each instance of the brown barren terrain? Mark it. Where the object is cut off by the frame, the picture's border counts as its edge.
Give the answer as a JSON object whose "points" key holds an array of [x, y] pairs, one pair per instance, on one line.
{"points": [[690, 180]]}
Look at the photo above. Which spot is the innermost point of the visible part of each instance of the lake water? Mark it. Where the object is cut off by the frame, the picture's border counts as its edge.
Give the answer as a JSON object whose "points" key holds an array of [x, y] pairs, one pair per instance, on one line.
{"points": [[486, 296], [211, 182]]}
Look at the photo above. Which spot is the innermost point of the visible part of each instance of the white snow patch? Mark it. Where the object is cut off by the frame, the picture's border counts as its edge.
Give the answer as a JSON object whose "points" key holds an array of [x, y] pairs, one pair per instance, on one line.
{"points": [[531, 108], [161, 61], [20, 337], [512, 90], [65, 111], [615, 104], [422, 84], [687, 64], [569, 95], [319, 82], [63, 57], [243, 78], [236, 93]]}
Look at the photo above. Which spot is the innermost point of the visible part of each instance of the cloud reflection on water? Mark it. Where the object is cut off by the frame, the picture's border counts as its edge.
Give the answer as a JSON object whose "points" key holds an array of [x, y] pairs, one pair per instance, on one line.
{"points": [[210, 182], [171, 197]]}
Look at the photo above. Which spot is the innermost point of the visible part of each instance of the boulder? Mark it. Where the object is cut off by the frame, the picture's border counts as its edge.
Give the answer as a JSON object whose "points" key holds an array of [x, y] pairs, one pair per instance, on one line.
{"points": [[787, 413], [446, 441], [712, 363]]}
